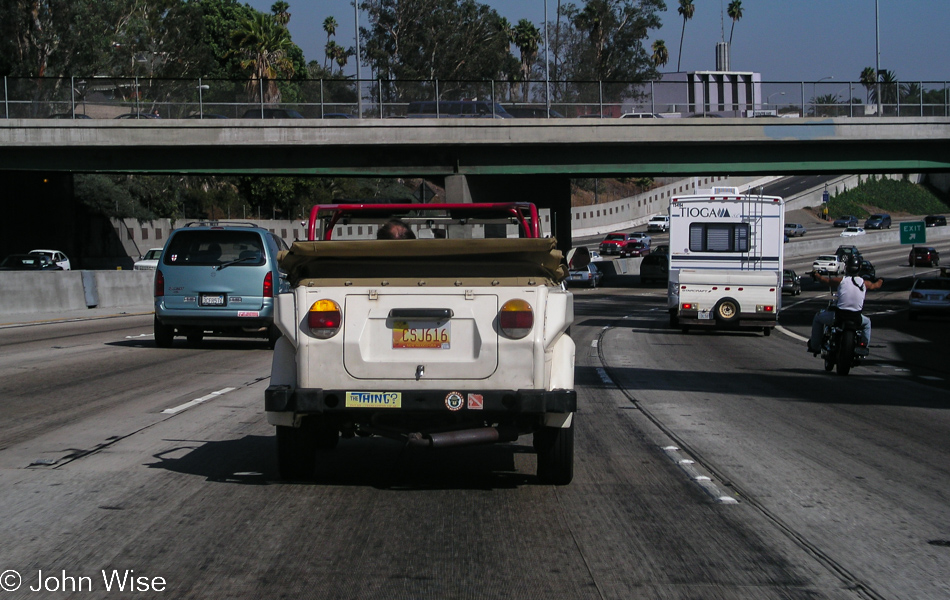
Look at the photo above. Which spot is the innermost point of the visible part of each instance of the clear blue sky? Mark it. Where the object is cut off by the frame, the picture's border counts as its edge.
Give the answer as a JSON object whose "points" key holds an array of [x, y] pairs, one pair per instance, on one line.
{"points": [[800, 40]]}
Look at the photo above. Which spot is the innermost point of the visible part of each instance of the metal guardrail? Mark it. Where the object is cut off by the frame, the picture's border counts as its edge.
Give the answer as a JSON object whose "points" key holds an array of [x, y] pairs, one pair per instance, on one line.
{"points": [[719, 95]]}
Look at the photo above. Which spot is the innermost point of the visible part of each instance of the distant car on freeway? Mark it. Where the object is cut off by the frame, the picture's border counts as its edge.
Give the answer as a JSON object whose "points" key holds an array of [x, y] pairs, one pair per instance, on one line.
{"points": [[56, 256], [795, 229], [271, 113], [29, 262], [791, 282], [846, 221], [929, 295], [655, 266], [924, 255], [828, 264], [613, 242], [935, 221], [878, 221], [589, 275], [149, 262], [633, 249], [853, 231]]}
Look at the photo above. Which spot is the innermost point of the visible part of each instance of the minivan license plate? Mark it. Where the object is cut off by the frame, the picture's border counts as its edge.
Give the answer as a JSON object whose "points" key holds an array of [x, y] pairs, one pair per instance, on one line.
{"points": [[422, 334], [211, 300]]}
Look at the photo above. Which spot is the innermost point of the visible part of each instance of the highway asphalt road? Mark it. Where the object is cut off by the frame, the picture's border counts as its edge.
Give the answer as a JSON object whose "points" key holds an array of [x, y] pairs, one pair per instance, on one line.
{"points": [[709, 465]]}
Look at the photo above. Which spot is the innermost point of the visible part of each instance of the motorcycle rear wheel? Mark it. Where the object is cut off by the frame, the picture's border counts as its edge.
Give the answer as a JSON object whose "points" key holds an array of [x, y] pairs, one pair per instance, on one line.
{"points": [[845, 353]]}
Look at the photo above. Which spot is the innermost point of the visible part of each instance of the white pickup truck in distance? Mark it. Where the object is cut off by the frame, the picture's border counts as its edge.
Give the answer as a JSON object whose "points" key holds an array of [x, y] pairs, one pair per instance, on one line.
{"points": [[452, 338]]}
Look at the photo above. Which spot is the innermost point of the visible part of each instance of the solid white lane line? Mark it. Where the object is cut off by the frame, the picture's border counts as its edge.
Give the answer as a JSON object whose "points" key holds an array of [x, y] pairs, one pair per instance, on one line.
{"points": [[196, 401], [791, 334]]}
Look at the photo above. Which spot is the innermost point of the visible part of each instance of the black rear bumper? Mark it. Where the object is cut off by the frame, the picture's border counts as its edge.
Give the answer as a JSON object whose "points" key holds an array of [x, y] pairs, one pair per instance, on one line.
{"points": [[316, 401]]}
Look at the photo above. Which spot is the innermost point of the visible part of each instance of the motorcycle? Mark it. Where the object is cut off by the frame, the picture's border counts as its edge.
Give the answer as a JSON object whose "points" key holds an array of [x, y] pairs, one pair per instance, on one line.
{"points": [[841, 343]]}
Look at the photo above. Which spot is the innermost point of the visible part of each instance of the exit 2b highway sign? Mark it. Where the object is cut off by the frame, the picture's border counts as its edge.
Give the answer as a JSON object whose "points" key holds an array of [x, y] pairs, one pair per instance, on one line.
{"points": [[914, 232]]}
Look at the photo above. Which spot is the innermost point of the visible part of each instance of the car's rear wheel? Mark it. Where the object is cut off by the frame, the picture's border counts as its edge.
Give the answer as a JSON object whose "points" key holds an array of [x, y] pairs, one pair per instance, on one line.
{"points": [[297, 450], [164, 334], [555, 448]]}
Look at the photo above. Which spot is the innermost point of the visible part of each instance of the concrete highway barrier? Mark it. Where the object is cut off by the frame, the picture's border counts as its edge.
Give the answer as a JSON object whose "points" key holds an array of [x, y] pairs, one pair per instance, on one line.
{"points": [[60, 291]]}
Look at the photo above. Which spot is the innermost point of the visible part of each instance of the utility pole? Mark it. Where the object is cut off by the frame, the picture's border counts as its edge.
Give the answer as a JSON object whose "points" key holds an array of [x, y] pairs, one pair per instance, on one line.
{"points": [[359, 91], [877, 57]]}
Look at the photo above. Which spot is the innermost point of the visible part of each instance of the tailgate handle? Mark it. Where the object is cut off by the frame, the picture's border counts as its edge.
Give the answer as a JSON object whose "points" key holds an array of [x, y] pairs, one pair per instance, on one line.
{"points": [[421, 313]]}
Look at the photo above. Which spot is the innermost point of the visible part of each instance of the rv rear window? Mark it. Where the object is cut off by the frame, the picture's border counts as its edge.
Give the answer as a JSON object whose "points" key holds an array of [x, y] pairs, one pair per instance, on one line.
{"points": [[719, 237]]}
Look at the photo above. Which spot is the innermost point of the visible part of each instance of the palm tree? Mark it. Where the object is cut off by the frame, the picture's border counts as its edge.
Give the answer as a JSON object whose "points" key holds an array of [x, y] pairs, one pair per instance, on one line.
{"points": [[264, 46], [280, 12], [342, 55], [686, 9], [735, 13], [329, 25], [527, 38], [868, 80], [661, 55]]}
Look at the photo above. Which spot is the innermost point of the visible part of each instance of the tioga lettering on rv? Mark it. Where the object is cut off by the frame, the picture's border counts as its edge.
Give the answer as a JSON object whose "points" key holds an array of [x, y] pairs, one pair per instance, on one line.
{"points": [[701, 211]]}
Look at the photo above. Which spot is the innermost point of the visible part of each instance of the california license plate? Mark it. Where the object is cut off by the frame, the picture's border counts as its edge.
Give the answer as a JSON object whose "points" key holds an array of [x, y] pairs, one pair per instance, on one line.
{"points": [[211, 300], [422, 334]]}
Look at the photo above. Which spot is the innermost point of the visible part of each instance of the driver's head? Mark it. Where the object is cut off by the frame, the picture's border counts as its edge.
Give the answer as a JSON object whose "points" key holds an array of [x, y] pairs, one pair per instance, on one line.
{"points": [[395, 229], [854, 265]]}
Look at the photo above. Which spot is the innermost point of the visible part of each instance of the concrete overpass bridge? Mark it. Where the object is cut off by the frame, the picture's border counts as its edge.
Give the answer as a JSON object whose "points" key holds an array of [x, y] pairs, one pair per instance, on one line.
{"points": [[510, 159], [438, 148]]}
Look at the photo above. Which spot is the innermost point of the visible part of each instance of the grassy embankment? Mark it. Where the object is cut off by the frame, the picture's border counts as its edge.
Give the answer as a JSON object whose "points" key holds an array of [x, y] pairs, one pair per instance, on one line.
{"points": [[892, 196]]}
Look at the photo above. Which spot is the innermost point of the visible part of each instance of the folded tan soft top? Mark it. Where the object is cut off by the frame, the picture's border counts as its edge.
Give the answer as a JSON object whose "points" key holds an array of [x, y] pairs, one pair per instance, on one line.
{"points": [[466, 260]]}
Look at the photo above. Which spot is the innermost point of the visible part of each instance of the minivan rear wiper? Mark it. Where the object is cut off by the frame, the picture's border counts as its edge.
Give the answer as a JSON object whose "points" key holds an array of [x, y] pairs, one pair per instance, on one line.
{"points": [[235, 261]]}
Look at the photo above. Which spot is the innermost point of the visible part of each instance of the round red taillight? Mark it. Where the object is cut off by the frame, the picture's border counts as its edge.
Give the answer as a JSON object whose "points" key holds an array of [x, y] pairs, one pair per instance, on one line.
{"points": [[516, 319], [324, 319]]}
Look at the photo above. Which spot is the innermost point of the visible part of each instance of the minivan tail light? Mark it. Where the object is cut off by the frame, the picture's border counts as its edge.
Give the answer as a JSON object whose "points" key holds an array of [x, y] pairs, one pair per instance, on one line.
{"points": [[324, 319], [516, 319], [159, 284], [268, 285]]}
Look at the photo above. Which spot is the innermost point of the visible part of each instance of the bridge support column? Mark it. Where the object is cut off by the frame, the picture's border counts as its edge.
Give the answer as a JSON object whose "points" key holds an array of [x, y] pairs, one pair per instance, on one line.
{"points": [[456, 190], [544, 191]]}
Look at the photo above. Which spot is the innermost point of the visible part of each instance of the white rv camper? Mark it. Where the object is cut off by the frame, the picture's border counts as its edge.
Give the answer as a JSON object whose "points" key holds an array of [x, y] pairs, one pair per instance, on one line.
{"points": [[726, 256]]}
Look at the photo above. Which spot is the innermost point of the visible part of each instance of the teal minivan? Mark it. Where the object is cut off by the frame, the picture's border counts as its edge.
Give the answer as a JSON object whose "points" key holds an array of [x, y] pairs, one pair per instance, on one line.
{"points": [[217, 278]]}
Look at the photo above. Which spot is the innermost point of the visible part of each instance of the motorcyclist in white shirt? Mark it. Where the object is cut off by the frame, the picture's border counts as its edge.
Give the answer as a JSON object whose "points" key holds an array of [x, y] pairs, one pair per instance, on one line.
{"points": [[851, 291]]}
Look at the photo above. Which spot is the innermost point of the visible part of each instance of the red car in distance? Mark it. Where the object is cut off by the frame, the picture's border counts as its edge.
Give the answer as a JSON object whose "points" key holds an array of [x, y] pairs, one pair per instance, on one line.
{"points": [[634, 249]]}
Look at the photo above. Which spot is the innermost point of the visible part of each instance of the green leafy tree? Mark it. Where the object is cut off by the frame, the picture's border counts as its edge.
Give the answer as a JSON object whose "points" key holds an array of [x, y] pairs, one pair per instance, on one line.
{"points": [[686, 10], [735, 13], [407, 40], [606, 42]]}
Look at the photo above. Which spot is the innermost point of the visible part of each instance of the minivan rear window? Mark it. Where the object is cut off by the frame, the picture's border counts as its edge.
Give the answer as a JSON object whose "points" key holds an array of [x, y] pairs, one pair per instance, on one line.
{"points": [[215, 247]]}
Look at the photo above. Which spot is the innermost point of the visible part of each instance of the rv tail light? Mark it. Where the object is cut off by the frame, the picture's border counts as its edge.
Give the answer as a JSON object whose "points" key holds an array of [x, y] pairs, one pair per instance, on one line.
{"points": [[324, 319], [268, 291], [690, 306], [516, 319], [159, 284], [764, 308]]}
